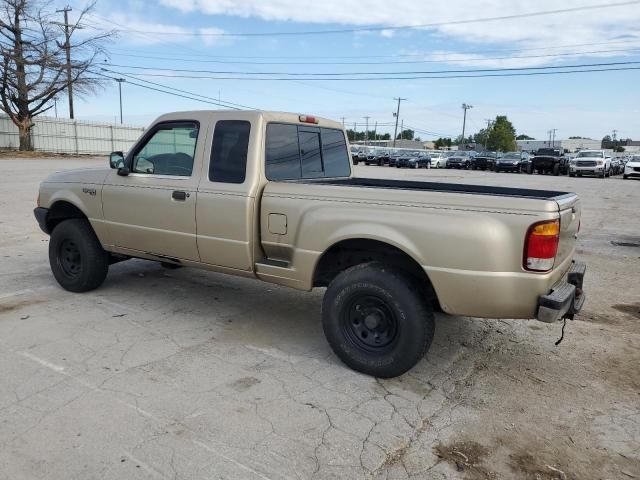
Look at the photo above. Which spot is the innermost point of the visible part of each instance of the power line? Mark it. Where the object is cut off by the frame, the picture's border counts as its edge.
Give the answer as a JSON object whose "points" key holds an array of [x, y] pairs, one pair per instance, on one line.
{"points": [[221, 103], [392, 28], [444, 59], [200, 55], [419, 77], [346, 74], [192, 97]]}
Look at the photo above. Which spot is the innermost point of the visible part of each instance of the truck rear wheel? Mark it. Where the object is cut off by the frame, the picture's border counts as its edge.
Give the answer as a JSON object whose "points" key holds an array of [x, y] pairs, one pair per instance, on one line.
{"points": [[78, 261], [556, 169], [376, 320]]}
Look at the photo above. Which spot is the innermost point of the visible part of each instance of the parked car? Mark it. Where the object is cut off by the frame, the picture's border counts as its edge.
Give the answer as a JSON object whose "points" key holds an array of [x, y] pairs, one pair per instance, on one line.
{"points": [[374, 157], [591, 162], [485, 161], [632, 168], [357, 155], [417, 159], [460, 160], [233, 192], [549, 160], [438, 159], [511, 162], [394, 156], [617, 165]]}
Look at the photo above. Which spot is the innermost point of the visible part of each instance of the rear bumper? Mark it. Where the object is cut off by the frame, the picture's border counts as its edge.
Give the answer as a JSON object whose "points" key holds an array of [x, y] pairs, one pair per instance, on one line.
{"points": [[566, 297], [41, 216]]}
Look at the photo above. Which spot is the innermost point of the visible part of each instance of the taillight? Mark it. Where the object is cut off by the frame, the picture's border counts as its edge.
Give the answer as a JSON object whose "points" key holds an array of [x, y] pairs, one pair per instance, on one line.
{"points": [[541, 246]]}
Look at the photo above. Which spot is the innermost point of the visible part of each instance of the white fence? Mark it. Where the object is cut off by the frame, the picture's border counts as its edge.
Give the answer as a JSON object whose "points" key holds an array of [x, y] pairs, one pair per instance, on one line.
{"points": [[62, 135]]}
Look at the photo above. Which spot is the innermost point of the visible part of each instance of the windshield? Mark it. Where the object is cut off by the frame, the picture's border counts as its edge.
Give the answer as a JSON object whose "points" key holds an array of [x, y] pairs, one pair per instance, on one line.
{"points": [[590, 155], [511, 156]]}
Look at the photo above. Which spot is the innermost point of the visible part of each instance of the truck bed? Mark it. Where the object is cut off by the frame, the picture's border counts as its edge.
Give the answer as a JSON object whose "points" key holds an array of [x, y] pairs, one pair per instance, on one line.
{"points": [[443, 187]]}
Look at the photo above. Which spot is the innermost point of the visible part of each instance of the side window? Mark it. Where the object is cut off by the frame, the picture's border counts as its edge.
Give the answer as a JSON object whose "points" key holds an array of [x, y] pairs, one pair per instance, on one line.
{"points": [[228, 162], [310, 157], [334, 153], [169, 151], [283, 152]]}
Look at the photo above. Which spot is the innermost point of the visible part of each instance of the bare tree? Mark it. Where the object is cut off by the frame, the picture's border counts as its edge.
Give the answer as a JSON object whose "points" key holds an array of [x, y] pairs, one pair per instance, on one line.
{"points": [[33, 52]]}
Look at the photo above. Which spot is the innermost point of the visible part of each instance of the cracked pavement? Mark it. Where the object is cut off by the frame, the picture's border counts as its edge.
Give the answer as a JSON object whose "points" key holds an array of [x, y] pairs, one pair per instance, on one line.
{"points": [[187, 374]]}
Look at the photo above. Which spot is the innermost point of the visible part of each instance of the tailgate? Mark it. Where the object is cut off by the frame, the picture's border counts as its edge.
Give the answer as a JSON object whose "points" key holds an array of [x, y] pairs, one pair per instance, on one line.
{"points": [[570, 211]]}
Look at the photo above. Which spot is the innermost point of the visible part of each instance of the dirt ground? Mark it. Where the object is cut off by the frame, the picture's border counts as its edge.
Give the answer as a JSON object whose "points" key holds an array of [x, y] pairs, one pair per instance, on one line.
{"points": [[188, 374]]}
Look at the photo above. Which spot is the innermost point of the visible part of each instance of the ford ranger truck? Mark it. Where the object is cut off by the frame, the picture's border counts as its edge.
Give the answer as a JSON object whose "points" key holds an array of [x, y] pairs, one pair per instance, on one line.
{"points": [[271, 196]]}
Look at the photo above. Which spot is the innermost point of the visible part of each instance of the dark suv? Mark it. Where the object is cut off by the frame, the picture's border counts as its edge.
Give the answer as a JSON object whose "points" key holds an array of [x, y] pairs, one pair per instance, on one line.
{"points": [[549, 160], [485, 160], [511, 162], [460, 160]]}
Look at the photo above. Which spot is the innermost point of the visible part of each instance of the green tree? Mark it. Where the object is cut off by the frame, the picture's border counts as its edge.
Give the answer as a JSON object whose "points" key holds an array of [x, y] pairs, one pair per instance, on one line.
{"points": [[443, 143], [524, 137], [502, 137], [406, 134]]}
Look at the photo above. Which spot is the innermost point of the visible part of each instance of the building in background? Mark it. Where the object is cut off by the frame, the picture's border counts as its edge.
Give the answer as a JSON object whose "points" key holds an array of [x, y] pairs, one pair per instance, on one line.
{"points": [[569, 145]]}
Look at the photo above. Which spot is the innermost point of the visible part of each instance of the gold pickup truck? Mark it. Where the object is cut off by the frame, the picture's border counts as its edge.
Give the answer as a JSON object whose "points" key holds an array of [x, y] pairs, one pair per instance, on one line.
{"points": [[271, 196]]}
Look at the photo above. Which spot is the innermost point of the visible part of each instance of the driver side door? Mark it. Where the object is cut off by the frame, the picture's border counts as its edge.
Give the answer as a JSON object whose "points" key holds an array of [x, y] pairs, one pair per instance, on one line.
{"points": [[152, 210]]}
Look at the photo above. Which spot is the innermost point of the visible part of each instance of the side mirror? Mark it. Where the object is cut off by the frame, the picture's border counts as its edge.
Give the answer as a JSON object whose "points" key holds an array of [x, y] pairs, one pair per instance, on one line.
{"points": [[123, 171], [116, 160]]}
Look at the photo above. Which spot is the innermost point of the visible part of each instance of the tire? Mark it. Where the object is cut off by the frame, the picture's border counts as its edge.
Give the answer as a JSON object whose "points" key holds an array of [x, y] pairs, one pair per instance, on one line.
{"points": [[572, 174], [372, 293], [78, 261], [625, 177], [530, 170], [556, 170]]}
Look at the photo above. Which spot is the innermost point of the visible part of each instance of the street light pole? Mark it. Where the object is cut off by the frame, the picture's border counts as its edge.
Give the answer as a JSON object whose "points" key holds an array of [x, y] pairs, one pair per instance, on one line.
{"points": [[465, 107], [397, 115], [120, 80]]}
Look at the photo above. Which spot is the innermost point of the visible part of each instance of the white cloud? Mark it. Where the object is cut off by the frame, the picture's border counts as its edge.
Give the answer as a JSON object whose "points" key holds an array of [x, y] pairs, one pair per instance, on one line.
{"points": [[134, 30], [589, 26]]}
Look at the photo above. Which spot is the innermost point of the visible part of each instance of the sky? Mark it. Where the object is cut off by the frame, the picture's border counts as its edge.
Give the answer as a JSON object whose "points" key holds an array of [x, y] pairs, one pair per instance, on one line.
{"points": [[164, 41]]}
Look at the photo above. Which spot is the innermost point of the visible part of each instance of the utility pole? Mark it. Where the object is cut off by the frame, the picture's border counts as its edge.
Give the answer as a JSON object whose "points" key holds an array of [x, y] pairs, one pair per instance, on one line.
{"points": [[553, 141], [366, 131], [375, 132], [397, 115], [614, 137], [120, 80], [355, 135], [486, 136], [55, 105], [67, 47], [342, 121], [465, 107], [549, 132], [401, 129]]}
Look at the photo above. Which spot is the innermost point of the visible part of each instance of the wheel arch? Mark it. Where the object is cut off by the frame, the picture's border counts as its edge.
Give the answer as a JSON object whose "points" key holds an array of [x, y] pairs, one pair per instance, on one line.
{"points": [[62, 210], [349, 252]]}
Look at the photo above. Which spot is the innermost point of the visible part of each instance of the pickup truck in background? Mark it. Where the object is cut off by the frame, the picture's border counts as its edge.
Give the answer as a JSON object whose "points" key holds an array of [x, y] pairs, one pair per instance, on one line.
{"points": [[485, 161], [270, 196], [549, 160], [591, 162]]}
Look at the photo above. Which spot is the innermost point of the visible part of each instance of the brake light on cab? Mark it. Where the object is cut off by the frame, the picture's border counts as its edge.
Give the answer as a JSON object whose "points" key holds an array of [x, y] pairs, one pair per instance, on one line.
{"points": [[308, 119], [541, 246]]}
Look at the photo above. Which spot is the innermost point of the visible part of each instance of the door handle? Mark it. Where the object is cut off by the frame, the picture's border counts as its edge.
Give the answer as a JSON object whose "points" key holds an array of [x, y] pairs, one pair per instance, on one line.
{"points": [[180, 195]]}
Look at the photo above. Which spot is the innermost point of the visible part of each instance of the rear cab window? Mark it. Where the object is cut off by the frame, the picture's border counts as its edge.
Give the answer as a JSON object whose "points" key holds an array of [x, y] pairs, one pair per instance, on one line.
{"points": [[300, 152], [228, 162]]}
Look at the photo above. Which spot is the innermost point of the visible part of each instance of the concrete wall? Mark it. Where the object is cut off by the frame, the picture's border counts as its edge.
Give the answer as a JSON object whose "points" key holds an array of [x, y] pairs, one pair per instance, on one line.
{"points": [[62, 135]]}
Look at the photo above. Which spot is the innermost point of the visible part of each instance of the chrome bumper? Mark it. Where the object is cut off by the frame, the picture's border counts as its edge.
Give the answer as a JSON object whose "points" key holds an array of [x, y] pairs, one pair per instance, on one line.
{"points": [[566, 298]]}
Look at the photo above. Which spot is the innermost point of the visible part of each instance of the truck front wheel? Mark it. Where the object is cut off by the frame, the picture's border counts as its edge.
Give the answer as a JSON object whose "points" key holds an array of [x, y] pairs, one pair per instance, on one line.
{"points": [[78, 261], [377, 320]]}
